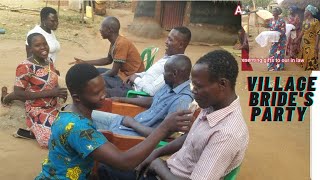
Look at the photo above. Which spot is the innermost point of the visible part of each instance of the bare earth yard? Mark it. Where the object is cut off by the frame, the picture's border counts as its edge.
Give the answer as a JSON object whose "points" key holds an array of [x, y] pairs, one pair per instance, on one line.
{"points": [[277, 150]]}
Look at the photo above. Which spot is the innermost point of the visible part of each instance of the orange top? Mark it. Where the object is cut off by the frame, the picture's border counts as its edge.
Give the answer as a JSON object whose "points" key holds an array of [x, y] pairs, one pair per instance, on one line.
{"points": [[123, 51]]}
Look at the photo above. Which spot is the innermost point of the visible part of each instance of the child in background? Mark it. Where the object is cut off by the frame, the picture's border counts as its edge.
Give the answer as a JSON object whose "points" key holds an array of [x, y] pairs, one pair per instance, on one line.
{"points": [[244, 46]]}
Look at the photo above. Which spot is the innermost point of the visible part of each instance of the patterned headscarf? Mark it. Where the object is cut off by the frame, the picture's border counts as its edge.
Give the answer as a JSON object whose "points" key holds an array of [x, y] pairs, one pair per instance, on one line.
{"points": [[312, 9]]}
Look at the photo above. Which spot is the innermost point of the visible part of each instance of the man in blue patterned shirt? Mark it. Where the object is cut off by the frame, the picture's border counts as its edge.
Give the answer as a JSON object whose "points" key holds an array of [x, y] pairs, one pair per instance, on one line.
{"points": [[175, 95], [75, 143]]}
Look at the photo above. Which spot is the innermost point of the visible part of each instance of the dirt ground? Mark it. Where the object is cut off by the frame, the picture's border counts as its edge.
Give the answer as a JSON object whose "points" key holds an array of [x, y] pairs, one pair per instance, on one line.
{"points": [[277, 150]]}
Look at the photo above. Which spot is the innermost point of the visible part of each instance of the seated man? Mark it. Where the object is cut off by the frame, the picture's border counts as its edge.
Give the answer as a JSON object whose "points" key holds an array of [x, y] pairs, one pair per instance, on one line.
{"points": [[175, 95], [124, 55], [75, 143], [152, 80], [217, 140]]}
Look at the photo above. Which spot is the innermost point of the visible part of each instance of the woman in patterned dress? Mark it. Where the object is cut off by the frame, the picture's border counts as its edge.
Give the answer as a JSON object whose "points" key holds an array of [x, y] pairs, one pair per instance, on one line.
{"points": [[277, 51], [293, 46], [37, 84], [310, 35]]}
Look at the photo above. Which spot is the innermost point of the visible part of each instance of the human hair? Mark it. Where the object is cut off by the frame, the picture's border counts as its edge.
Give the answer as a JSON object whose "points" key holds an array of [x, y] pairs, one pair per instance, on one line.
{"points": [[30, 38], [44, 13], [182, 63], [241, 29], [79, 75], [185, 32], [112, 23], [278, 9], [294, 9], [221, 64]]}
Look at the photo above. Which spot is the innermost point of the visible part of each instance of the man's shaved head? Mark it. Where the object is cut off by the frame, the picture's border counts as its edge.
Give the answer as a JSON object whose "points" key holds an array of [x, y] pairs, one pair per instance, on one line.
{"points": [[112, 23]]}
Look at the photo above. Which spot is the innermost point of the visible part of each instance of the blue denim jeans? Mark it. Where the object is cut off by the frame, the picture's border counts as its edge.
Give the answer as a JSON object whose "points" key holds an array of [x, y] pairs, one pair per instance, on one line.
{"points": [[103, 120]]}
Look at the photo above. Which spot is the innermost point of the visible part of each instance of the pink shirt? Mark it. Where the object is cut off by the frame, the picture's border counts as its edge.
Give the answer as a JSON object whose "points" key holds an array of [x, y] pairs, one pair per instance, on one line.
{"points": [[215, 145]]}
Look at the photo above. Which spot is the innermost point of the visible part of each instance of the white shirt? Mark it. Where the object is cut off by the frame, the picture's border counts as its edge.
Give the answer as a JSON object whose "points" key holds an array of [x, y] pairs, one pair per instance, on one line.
{"points": [[54, 45], [290, 31], [151, 80]]}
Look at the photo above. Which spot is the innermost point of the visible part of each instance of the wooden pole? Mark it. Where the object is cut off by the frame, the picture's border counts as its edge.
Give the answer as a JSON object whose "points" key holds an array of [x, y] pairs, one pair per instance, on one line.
{"points": [[58, 7], [255, 14], [82, 11], [254, 5], [248, 27], [257, 22], [92, 10]]}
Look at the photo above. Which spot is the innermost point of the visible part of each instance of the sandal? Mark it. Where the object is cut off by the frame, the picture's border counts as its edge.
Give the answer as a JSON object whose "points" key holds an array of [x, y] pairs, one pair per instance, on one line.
{"points": [[23, 133], [4, 93]]}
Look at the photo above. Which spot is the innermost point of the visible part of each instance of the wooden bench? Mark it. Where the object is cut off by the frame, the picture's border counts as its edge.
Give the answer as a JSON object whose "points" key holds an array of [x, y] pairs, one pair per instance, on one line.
{"points": [[121, 108], [123, 142]]}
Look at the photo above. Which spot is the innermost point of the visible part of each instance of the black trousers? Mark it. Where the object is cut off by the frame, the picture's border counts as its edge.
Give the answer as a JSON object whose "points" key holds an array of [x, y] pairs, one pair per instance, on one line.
{"points": [[108, 173], [115, 87]]}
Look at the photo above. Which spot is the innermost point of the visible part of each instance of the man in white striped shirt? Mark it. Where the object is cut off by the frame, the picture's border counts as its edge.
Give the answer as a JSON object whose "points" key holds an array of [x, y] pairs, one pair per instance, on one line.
{"points": [[217, 140]]}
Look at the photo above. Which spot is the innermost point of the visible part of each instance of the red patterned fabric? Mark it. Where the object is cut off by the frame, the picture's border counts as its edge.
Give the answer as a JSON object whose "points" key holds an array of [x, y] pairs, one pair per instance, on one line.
{"points": [[40, 113], [293, 47], [245, 66]]}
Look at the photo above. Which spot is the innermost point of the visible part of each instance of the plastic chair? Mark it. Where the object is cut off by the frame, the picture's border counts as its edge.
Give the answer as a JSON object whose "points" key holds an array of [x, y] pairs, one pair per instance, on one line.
{"points": [[148, 55], [133, 93], [233, 174]]}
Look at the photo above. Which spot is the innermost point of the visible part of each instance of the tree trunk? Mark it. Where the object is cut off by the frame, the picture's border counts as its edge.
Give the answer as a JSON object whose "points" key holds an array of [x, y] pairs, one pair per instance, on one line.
{"points": [[254, 4]]}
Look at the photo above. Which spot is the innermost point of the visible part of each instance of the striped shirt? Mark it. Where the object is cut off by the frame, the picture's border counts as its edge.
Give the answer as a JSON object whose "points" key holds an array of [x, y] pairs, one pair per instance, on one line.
{"points": [[214, 146]]}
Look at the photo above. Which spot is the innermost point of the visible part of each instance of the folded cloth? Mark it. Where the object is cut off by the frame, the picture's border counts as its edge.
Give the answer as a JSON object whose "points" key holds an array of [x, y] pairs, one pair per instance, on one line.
{"points": [[290, 31], [267, 36]]}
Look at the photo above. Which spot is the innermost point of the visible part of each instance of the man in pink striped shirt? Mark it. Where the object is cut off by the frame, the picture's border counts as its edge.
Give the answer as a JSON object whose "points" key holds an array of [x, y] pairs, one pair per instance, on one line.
{"points": [[216, 142]]}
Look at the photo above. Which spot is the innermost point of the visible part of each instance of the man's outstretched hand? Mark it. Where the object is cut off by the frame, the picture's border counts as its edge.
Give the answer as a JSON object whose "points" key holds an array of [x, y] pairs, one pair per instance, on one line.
{"points": [[77, 61]]}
